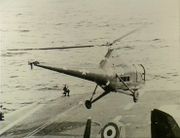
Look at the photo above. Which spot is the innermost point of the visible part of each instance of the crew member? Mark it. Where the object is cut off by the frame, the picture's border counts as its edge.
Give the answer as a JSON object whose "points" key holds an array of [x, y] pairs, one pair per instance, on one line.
{"points": [[66, 90], [1, 114]]}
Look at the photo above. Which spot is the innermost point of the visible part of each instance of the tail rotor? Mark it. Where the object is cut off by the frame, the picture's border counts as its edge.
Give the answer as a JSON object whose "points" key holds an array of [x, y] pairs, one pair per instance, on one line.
{"points": [[33, 63]]}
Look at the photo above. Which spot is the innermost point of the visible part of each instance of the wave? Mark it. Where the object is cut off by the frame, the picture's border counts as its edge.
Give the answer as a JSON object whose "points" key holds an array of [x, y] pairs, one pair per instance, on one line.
{"points": [[27, 103], [48, 88], [23, 31], [11, 54]]}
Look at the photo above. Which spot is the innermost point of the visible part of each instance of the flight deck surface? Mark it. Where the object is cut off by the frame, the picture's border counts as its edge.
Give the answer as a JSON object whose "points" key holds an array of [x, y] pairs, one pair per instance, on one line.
{"points": [[66, 117]]}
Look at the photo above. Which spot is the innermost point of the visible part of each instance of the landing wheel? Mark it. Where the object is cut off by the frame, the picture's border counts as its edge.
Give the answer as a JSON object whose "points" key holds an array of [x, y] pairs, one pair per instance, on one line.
{"points": [[88, 104], [135, 96]]}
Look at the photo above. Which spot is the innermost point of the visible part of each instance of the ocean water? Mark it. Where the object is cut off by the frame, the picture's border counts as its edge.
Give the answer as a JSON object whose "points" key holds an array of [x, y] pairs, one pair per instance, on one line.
{"points": [[51, 23]]}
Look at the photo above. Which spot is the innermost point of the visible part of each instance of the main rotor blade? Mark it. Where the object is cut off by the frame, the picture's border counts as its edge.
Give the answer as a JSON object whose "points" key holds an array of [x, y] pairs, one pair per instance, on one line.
{"points": [[120, 38], [75, 47], [103, 62], [51, 48]]}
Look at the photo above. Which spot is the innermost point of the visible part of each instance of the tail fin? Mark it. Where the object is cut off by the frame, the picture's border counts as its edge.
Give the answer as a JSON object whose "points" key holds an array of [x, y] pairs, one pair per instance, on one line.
{"points": [[163, 125], [87, 132]]}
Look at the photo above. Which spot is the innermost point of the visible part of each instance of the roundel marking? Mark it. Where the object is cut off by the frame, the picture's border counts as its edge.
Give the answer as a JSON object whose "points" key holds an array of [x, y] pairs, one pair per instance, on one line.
{"points": [[110, 131]]}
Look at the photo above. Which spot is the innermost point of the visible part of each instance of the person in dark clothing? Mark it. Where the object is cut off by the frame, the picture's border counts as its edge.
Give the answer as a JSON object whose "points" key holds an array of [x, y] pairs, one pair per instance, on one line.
{"points": [[66, 90], [1, 113]]}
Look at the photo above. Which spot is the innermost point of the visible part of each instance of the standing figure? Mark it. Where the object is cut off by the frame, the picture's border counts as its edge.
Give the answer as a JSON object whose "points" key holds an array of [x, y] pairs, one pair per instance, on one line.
{"points": [[1, 113]]}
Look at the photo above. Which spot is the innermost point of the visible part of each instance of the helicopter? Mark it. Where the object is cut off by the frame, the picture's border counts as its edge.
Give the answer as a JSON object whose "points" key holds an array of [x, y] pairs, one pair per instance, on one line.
{"points": [[128, 81]]}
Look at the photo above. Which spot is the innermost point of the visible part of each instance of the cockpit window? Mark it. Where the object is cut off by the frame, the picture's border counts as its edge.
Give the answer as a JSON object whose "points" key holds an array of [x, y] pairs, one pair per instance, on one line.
{"points": [[125, 78]]}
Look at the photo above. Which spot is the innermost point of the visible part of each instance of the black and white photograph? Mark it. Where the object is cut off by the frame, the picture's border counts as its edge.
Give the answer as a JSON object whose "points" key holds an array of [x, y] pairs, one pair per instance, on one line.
{"points": [[89, 68]]}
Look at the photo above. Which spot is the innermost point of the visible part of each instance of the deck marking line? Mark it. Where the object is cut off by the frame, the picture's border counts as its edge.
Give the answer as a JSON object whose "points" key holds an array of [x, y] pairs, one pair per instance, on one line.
{"points": [[50, 121], [20, 119]]}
